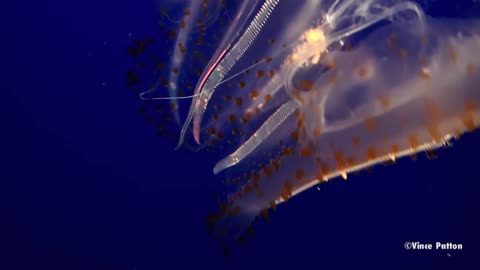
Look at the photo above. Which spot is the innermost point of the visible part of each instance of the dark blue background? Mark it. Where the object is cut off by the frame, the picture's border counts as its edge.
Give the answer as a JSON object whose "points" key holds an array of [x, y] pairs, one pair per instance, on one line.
{"points": [[86, 184]]}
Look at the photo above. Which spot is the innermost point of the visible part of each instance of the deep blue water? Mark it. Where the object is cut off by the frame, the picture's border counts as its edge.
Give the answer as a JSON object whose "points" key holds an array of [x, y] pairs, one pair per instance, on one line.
{"points": [[86, 184]]}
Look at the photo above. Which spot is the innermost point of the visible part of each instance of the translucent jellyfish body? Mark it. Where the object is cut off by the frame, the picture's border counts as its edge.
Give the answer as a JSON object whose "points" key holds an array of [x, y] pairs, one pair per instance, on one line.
{"points": [[332, 88]]}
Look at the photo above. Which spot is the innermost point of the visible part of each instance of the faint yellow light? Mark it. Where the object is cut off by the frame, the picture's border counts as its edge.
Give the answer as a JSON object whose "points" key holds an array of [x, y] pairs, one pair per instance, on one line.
{"points": [[314, 35]]}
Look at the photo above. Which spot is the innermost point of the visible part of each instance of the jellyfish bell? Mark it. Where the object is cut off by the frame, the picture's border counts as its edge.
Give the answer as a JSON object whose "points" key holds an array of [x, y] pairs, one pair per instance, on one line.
{"points": [[292, 95], [353, 84]]}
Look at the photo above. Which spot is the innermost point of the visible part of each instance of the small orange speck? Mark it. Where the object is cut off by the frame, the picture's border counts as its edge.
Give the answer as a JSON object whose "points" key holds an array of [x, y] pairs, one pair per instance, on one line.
{"points": [[164, 82], [183, 50], [255, 177], [294, 134], [287, 151], [268, 98], [306, 85], [298, 115], [211, 131], [265, 215], [253, 94], [306, 152], [267, 171], [299, 174], [260, 73], [356, 140], [452, 54], [370, 123], [339, 159], [395, 149], [182, 24], [363, 72], [300, 124], [246, 117], [371, 153], [287, 191], [350, 162], [391, 40], [232, 118], [468, 117], [173, 107], [331, 64], [275, 164], [434, 132], [238, 101], [384, 101], [273, 205], [324, 169], [413, 141]]}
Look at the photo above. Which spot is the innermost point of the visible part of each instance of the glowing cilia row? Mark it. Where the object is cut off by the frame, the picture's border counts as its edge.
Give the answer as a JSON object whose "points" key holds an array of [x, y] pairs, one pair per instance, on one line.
{"points": [[312, 90]]}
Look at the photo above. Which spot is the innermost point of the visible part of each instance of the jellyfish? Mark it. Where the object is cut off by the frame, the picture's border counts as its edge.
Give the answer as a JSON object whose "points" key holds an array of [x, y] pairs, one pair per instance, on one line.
{"points": [[301, 94]]}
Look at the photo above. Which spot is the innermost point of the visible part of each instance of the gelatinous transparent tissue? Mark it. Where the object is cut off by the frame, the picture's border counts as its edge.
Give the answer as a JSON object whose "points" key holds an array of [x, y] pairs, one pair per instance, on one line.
{"points": [[299, 92]]}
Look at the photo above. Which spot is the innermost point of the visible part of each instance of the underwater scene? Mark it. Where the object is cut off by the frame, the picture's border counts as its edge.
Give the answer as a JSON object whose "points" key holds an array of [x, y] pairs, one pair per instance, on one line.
{"points": [[179, 134]]}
